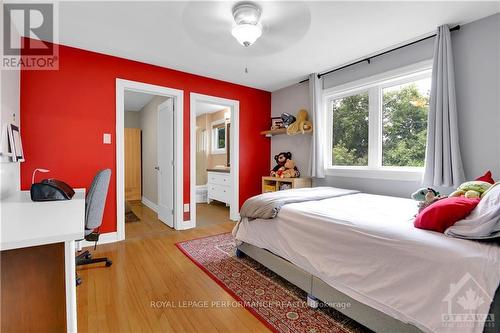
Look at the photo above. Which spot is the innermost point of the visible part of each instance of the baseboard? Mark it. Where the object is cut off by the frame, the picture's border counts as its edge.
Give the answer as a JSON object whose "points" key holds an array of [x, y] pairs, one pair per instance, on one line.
{"points": [[185, 225], [235, 218], [109, 237], [151, 205]]}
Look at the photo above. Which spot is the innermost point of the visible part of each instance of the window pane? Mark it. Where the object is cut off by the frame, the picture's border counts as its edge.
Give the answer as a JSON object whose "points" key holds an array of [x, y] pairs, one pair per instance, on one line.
{"points": [[404, 117], [221, 138], [350, 130]]}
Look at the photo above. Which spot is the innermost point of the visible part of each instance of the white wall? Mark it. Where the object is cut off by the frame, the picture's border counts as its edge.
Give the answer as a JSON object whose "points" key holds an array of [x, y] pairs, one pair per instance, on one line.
{"points": [[132, 119], [149, 124], [477, 56], [10, 85], [476, 50], [291, 100], [10, 91]]}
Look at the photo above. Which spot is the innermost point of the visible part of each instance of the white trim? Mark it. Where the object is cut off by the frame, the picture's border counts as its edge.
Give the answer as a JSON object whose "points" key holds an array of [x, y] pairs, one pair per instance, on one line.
{"points": [[188, 225], [234, 107], [70, 281], [150, 204], [105, 238], [178, 95], [373, 86]]}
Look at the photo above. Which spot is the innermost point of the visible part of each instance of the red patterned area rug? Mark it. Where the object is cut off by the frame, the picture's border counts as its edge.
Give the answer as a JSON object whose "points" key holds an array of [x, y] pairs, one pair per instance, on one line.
{"points": [[277, 303]]}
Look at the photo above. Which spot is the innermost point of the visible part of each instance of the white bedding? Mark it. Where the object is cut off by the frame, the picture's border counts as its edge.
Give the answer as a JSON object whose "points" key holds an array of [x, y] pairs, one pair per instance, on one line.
{"points": [[367, 247]]}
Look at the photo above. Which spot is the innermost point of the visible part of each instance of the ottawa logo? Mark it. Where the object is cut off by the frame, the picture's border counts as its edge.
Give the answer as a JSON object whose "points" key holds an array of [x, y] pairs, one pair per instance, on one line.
{"points": [[467, 304]]}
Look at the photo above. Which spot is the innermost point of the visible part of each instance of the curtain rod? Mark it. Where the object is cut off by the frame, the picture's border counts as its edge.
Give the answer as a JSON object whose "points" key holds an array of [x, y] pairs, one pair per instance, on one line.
{"points": [[368, 59]]}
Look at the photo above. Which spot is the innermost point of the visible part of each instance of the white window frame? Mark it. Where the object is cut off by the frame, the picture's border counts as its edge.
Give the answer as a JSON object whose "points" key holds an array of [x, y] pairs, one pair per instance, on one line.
{"points": [[374, 86], [215, 137]]}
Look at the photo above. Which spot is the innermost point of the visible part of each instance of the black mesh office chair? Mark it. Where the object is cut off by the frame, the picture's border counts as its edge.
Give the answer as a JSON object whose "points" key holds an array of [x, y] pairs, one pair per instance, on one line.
{"points": [[94, 210]]}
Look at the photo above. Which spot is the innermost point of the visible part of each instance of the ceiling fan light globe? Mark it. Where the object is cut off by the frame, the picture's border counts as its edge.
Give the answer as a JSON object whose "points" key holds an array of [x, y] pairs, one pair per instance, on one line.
{"points": [[246, 34]]}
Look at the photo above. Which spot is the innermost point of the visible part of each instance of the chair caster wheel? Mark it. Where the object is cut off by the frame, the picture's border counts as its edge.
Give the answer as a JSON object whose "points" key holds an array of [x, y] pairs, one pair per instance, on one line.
{"points": [[109, 263]]}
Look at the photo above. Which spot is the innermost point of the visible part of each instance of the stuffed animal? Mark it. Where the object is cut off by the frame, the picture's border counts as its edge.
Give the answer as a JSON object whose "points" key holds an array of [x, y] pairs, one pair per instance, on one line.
{"points": [[472, 189], [301, 125], [420, 194], [288, 119], [426, 197], [285, 167], [290, 170], [280, 159]]}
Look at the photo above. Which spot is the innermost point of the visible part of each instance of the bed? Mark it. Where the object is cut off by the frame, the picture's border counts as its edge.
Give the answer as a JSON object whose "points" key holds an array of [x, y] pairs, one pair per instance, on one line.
{"points": [[364, 250]]}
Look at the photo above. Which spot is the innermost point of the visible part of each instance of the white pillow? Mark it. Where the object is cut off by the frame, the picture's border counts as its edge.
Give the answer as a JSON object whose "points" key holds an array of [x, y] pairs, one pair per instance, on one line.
{"points": [[490, 202], [484, 221]]}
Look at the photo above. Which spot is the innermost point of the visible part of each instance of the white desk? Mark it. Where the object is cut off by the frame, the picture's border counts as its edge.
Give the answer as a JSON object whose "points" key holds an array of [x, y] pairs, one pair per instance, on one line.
{"points": [[25, 223]]}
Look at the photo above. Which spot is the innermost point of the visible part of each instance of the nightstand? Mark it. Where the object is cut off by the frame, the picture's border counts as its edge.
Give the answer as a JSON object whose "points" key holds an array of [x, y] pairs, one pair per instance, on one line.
{"points": [[272, 184]]}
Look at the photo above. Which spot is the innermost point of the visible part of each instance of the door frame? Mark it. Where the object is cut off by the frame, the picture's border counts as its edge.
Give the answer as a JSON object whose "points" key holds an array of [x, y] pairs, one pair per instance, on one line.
{"points": [[178, 95], [234, 106]]}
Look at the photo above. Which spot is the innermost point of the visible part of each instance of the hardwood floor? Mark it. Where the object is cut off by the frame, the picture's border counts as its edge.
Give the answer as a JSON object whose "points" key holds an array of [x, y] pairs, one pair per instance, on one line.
{"points": [[148, 267], [148, 225], [208, 214]]}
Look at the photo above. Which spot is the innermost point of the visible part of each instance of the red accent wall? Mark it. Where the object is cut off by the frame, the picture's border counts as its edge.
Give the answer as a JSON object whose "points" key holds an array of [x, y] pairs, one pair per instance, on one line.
{"points": [[64, 114]]}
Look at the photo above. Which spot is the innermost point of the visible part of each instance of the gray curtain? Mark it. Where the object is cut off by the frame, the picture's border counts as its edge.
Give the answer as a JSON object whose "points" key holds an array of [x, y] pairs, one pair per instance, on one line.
{"points": [[443, 163], [317, 161]]}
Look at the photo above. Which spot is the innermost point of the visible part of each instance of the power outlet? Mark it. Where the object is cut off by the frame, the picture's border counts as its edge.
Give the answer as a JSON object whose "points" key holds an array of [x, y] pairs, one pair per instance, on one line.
{"points": [[106, 138], [186, 208]]}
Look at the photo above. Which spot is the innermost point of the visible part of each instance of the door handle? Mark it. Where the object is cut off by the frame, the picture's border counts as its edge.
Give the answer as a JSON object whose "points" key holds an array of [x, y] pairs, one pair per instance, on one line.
{"points": [[157, 168]]}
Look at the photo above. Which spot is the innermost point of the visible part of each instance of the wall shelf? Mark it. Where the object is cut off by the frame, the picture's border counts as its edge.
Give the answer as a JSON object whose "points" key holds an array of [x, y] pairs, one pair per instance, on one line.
{"points": [[271, 133], [279, 131]]}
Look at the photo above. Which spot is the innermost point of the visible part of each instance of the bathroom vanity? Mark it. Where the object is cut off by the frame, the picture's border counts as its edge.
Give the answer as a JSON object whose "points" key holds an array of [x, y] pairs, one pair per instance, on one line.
{"points": [[219, 185]]}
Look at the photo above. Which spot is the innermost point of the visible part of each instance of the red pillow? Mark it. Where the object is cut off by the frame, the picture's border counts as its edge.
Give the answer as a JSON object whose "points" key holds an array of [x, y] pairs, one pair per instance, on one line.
{"points": [[486, 178], [446, 212]]}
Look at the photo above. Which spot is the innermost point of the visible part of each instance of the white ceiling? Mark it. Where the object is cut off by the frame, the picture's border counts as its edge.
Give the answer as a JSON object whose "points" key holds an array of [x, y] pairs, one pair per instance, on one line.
{"points": [[202, 107], [135, 101], [299, 37]]}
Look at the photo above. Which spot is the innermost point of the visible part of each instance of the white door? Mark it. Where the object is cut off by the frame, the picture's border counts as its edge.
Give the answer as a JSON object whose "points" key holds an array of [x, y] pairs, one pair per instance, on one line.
{"points": [[165, 167]]}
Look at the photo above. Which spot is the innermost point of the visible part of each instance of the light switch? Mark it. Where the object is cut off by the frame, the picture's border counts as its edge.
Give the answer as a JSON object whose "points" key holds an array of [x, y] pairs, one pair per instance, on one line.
{"points": [[106, 138], [186, 208]]}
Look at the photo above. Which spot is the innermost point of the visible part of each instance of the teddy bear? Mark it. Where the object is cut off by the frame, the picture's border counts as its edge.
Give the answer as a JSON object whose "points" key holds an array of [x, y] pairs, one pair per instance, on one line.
{"points": [[301, 124], [472, 189], [281, 159], [426, 197], [290, 170]]}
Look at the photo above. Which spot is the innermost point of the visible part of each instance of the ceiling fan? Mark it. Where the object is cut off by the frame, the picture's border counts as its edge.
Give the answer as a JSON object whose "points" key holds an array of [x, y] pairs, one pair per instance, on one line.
{"points": [[263, 28], [247, 28]]}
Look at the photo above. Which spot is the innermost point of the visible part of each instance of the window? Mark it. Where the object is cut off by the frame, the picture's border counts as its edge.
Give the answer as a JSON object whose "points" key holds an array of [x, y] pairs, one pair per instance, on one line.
{"points": [[377, 128], [219, 137], [350, 130], [404, 123]]}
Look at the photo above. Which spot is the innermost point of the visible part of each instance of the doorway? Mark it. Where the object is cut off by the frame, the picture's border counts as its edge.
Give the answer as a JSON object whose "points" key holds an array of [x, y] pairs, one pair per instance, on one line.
{"points": [[159, 133], [214, 133]]}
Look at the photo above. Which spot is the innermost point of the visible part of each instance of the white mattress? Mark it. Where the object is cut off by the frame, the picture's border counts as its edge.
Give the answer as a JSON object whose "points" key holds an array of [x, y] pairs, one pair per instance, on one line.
{"points": [[367, 247]]}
